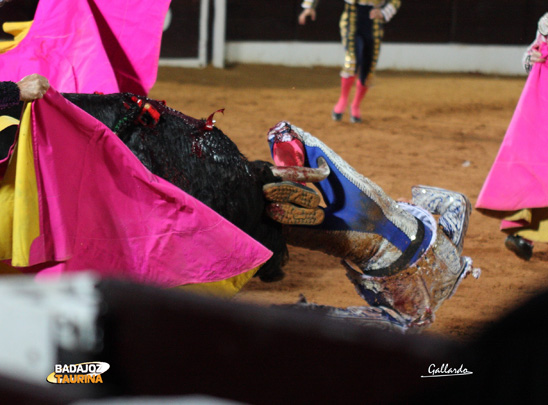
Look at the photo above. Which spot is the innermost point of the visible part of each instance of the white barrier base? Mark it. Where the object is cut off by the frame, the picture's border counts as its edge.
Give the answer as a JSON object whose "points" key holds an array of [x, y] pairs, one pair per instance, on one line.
{"points": [[496, 59]]}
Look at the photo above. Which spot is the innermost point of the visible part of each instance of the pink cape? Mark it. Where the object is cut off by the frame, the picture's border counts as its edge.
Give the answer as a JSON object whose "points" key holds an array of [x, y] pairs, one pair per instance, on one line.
{"points": [[518, 178], [83, 46], [101, 209]]}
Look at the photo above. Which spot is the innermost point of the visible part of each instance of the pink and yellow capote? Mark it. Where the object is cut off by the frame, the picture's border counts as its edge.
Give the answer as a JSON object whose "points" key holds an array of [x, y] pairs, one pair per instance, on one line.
{"points": [[73, 197]]}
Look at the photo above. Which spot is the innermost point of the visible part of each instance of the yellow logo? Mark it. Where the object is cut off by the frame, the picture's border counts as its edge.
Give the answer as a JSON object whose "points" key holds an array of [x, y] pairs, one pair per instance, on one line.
{"points": [[81, 373]]}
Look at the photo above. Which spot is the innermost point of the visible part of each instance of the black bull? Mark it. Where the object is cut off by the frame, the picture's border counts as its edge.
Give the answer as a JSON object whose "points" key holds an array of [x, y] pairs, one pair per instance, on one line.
{"points": [[193, 155]]}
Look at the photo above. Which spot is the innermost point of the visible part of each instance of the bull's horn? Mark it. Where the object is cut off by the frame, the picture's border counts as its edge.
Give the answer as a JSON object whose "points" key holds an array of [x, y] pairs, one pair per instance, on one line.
{"points": [[303, 174]]}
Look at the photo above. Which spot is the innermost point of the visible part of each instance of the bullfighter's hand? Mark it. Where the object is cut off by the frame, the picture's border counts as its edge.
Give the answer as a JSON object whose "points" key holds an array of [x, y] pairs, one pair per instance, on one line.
{"points": [[376, 14], [536, 57], [307, 12], [32, 87], [293, 203]]}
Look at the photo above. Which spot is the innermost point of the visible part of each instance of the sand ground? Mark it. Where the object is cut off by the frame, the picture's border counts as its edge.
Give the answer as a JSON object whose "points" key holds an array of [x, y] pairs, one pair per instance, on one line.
{"points": [[442, 130]]}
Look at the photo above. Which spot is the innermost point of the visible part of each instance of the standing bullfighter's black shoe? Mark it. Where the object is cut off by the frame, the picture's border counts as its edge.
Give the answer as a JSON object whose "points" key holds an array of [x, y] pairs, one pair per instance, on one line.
{"points": [[521, 247]]}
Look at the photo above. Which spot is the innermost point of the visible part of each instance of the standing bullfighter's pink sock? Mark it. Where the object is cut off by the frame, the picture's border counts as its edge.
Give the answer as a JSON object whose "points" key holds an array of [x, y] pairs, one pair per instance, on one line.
{"points": [[361, 91], [346, 86]]}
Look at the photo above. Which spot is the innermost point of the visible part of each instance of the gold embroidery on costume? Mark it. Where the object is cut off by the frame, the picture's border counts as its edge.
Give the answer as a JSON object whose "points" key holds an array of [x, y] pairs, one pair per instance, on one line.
{"points": [[378, 33], [349, 19]]}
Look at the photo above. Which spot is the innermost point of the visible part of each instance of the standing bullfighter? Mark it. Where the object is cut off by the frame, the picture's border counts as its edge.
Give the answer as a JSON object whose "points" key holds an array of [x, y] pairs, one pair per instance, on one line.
{"points": [[362, 28]]}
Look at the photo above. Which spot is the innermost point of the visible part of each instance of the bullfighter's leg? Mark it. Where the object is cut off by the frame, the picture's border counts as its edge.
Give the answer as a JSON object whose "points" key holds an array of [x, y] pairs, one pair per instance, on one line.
{"points": [[378, 317], [406, 264], [454, 210], [375, 232]]}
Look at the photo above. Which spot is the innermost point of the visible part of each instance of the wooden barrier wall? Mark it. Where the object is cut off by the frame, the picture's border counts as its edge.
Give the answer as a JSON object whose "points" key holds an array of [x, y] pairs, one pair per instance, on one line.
{"points": [[501, 22], [489, 22]]}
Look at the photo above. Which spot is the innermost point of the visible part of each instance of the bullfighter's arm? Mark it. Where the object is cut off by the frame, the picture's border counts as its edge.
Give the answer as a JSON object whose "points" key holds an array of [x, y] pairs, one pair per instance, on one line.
{"points": [[309, 4], [532, 54], [390, 9], [9, 94], [29, 88]]}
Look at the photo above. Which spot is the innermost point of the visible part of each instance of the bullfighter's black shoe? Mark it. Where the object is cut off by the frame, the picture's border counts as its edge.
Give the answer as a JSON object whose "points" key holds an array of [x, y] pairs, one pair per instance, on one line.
{"points": [[521, 247], [336, 116], [355, 120]]}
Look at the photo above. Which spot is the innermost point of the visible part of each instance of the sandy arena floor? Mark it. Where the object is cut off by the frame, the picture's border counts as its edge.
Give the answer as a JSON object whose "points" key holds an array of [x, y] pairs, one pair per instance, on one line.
{"points": [[432, 129]]}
